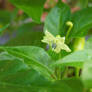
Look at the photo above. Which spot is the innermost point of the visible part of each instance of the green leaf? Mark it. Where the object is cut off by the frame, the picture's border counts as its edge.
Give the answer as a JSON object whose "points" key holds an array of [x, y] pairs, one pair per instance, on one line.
{"points": [[82, 21], [35, 57], [31, 31], [70, 85], [56, 20], [16, 76], [87, 74], [76, 59], [33, 8], [13, 72], [75, 84], [13, 69], [9, 65]]}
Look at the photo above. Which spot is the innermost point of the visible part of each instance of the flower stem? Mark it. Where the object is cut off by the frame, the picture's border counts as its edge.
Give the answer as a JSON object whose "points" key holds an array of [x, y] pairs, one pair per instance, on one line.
{"points": [[78, 45], [59, 69], [77, 70], [70, 24], [59, 73]]}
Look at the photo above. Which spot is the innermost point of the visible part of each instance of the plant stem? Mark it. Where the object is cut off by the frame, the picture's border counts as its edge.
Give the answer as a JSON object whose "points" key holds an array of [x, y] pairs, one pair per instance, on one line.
{"points": [[64, 75], [78, 45], [77, 72], [70, 24], [68, 32], [58, 73], [59, 70]]}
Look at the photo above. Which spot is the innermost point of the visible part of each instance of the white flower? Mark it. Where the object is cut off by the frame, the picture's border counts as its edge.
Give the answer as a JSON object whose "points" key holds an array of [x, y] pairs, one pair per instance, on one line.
{"points": [[56, 43]]}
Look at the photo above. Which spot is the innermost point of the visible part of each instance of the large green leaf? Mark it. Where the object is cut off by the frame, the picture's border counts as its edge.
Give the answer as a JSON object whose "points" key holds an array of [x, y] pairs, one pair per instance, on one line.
{"points": [[87, 74], [82, 21], [33, 8], [32, 31], [13, 72], [35, 57], [76, 59], [56, 20], [16, 76]]}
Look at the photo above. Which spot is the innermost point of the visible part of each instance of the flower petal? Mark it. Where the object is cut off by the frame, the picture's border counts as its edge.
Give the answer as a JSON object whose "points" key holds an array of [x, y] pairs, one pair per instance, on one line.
{"points": [[65, 47]]}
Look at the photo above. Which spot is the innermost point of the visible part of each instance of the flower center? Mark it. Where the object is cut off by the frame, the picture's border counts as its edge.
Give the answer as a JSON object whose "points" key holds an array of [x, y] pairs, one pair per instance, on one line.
{"points": [[54, 45]]}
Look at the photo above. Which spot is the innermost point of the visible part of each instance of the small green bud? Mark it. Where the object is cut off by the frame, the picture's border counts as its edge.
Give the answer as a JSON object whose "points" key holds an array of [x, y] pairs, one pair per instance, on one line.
{"points": [[69, 23]]}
